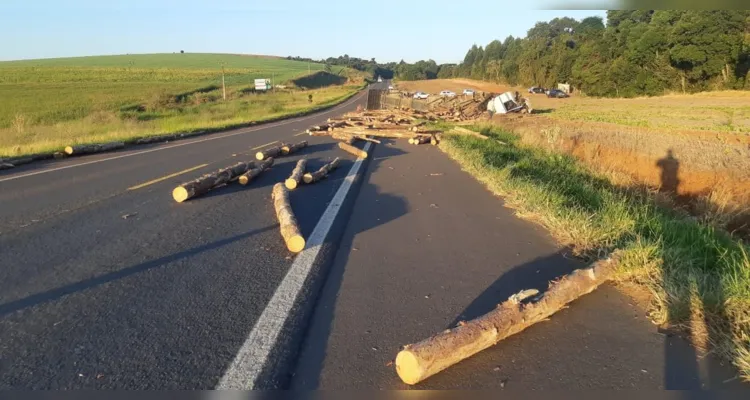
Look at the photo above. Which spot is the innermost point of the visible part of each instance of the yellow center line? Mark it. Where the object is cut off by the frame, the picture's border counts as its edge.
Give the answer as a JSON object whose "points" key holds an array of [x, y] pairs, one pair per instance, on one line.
{"points": [[264, 145], [142, 185]]}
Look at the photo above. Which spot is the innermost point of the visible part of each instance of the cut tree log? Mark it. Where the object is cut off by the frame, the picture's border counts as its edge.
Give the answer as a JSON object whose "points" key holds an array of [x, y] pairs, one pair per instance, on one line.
{"points": [[251, 174], [287, 223], [419, 361], [317, 133], [421, 139], [293, 181], [348, 139], [272, 152], [93, 148], [436, 138], [4, 165], [352, 150], [368, 139], [378, 133], [207, 182], [463, 131], [288, 149], [322, 172]]}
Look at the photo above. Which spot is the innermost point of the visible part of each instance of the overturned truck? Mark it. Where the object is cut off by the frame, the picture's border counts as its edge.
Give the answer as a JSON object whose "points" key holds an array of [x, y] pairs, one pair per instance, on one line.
{"points": [[507, 103]]}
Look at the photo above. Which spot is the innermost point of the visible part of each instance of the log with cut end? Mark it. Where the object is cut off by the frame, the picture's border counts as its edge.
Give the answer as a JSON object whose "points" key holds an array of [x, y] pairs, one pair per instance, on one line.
{"points": [[312, 177], [272, 152], [287, 222], [317, 133], [348, 139], [384, 133], [251, 174], [288, 149], [93, 148], [352, 150], [293, 181], [421, 139], [209, 181], [436, 138], [430, 356]]}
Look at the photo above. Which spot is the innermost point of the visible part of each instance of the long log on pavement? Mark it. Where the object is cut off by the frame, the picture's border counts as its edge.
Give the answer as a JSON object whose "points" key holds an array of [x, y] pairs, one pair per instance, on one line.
{"points": [[312, 177], [352, 150], [422, 139], [272, 152], [4, 165], [207, 182], [379, 133], [288, 149], [317, 133], [299, 170], [251, 174], [93, 148], [348, 139], [421, 360], [287, 222]]}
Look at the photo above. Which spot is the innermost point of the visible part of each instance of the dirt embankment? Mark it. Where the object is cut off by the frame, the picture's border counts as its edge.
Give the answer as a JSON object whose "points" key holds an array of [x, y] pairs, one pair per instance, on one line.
{"points": [[694, 146]]}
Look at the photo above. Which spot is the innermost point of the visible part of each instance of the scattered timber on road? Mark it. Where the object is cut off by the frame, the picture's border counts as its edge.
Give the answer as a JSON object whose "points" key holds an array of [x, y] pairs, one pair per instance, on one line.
{"points": [[209, 181], [4, 165], [251, 174], [322, 172], [293, 181], [288, 149], [272, 152], [287, 222], [352, 150], [419, 361], [93, 148]]}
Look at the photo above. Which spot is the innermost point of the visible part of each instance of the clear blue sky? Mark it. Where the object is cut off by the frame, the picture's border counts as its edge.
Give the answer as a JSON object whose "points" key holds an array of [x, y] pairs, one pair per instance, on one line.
{"points": [[387, 30]]}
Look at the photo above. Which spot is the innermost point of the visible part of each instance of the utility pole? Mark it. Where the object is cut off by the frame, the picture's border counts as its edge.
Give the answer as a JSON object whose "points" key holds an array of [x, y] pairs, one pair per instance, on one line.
{"points": [[273, 80], [223, 85]]}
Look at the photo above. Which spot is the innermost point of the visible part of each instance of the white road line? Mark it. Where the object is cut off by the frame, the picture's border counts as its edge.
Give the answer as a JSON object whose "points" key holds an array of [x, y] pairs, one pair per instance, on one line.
{"points": [[10, 178], [252, 356]]}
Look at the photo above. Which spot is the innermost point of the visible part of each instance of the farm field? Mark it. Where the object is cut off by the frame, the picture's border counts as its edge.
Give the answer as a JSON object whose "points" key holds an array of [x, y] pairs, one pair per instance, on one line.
{"points": [[721, 111], [46, 104]]}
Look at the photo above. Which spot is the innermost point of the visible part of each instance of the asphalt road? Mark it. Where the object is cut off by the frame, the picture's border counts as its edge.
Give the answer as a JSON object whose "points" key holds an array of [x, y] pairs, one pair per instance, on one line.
{"points": [[106, 282], [428, 246]]}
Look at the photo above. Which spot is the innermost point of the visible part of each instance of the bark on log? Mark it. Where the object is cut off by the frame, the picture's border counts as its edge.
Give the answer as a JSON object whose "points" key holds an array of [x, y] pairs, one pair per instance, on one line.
{"points": [[287, 223], [293, 181], [430, 356], [272, 152], [312, 177], [352, 150], [5, 165], [348, 139], [421, 140], [251, 174], [209, 181], [93, 148], [288, 149], [436, 138]]}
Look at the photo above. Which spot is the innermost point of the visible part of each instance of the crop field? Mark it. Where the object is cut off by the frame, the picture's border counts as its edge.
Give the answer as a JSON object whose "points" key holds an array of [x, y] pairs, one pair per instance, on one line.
{"points": [[45, 104]]}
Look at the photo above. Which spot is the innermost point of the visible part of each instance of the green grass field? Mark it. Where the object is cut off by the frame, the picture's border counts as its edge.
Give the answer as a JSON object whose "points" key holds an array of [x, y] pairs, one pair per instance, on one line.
{"points": [[45, 104], [699, 276]]}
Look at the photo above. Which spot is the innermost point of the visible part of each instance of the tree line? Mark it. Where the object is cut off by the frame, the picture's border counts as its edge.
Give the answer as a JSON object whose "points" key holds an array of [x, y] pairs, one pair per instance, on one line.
{"points": [[637, 52]]}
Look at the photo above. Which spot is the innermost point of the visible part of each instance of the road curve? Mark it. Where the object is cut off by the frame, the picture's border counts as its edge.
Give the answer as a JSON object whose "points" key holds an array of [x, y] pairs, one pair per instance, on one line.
{"points": [[106, 282]]}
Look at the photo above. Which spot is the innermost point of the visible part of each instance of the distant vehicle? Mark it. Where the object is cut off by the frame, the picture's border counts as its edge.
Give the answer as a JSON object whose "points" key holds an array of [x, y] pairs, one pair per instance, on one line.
{"points": [[380, 79], [421, 95], [468, 92], [447, 93], [558, 94], [537, 90]]}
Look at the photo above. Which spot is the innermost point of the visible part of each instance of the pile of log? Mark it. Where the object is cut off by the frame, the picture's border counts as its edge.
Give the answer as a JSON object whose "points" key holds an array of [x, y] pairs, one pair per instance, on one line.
{"points": [[459, 109]]}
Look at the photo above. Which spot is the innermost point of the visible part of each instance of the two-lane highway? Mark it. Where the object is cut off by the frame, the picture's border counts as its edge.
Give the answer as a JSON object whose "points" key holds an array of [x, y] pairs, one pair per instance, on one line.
{"points": [[106, 282]]}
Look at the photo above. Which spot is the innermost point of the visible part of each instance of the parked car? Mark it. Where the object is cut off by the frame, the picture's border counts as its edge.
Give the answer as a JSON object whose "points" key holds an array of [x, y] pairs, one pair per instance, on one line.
{"points": [[468, 92], [447, 93], [537, 90], [558, 94], [421, 95]]}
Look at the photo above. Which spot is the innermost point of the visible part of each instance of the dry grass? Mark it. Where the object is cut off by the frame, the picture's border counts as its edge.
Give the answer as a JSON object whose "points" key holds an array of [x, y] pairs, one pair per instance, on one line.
{"points": [[698, 276]]}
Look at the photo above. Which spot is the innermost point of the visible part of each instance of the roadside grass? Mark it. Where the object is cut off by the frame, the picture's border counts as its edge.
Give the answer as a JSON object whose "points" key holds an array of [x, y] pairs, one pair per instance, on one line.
{"points": [[201, 111], [48, 104], [699, 277]]}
